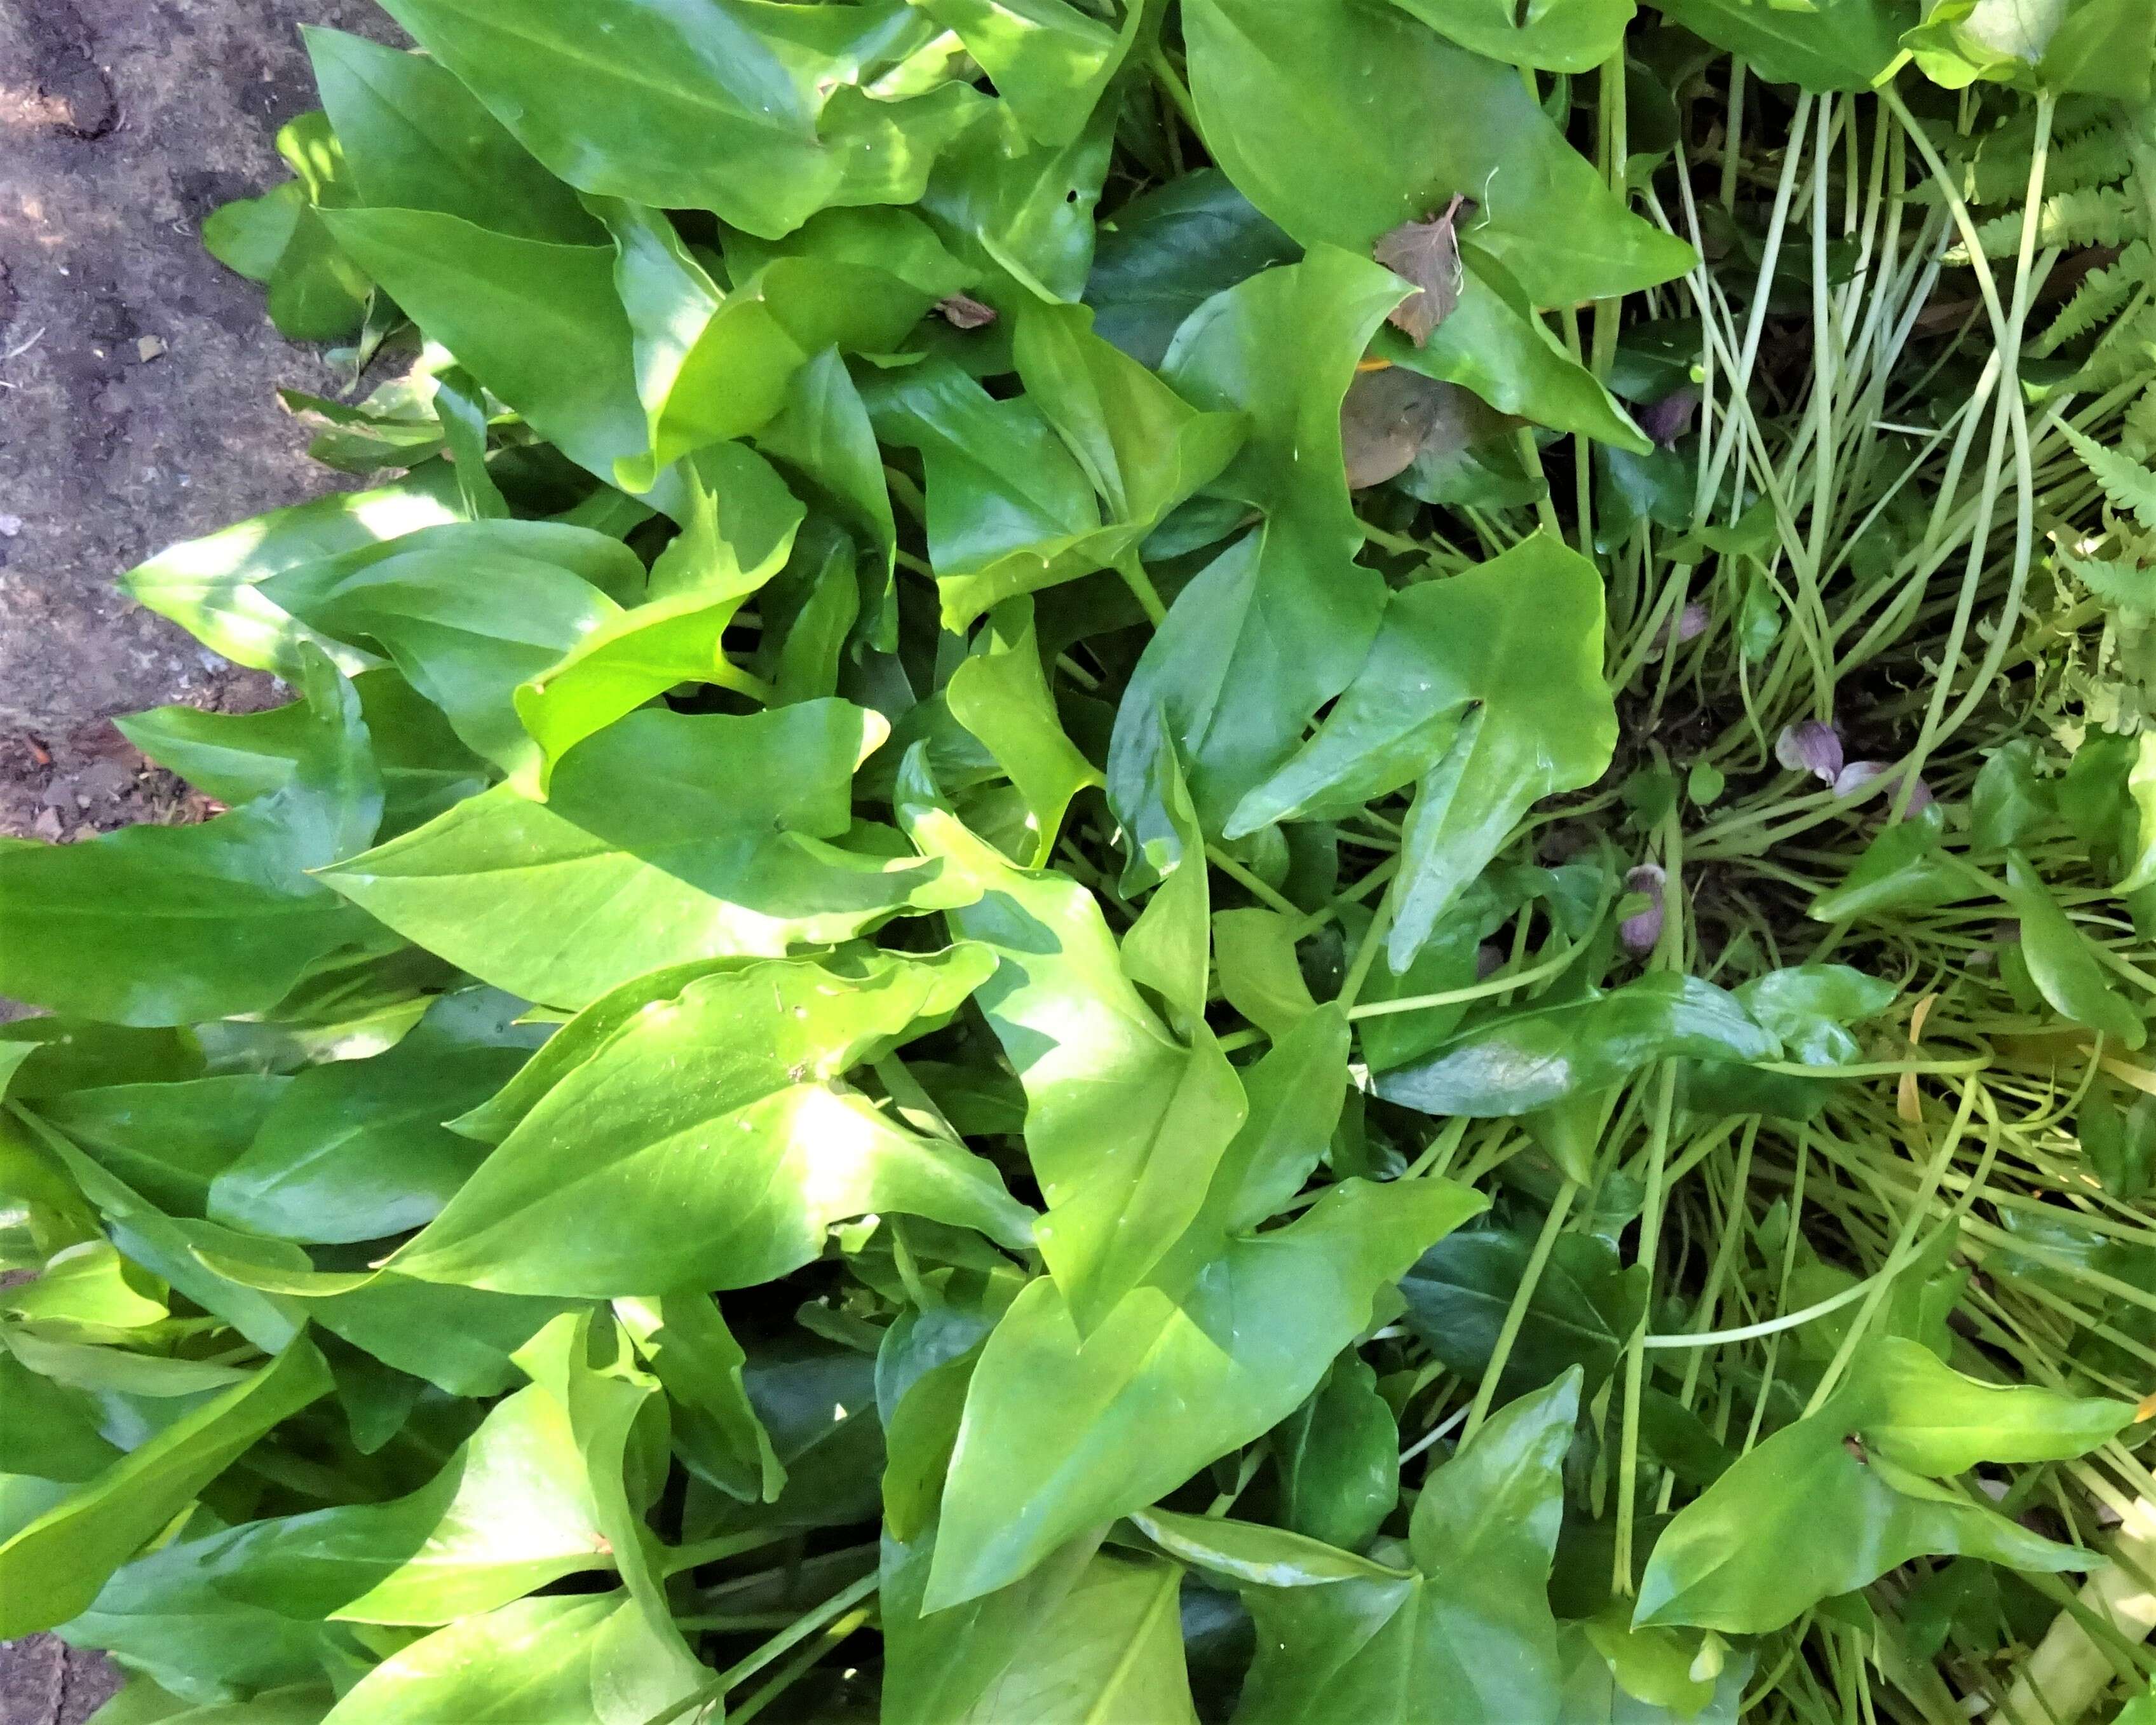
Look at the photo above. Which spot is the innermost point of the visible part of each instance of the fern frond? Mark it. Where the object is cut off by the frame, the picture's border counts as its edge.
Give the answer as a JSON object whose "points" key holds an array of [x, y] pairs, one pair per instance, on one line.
{"points": [[2095, 157], [2118, 584], [2100, 215], [2102, 296], [2127, 350], [2130, 487], [2138, 434]]}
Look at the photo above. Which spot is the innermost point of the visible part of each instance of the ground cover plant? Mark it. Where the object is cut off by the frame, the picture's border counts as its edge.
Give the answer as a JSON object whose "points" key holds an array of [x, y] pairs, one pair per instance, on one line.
{"points": [[1260, 860]]}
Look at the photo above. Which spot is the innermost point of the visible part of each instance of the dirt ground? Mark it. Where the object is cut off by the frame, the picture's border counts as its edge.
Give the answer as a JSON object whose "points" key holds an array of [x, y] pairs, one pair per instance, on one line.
{"points": [[137, 375], [138, 407]]}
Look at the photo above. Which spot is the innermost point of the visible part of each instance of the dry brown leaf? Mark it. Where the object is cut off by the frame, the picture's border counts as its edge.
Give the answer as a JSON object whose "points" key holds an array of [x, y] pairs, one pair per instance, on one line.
{"points": [[963, 312], [1389, 417], [1427, 255]]}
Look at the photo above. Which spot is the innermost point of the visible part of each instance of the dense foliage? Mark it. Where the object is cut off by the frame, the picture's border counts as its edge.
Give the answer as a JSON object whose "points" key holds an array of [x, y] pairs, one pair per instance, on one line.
{"points": [[1278, 860]]}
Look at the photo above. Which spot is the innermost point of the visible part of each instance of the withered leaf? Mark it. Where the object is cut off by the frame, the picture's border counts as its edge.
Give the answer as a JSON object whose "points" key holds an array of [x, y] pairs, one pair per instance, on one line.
{"points": [[1427, 254], [963, 312], [1390, 416]]}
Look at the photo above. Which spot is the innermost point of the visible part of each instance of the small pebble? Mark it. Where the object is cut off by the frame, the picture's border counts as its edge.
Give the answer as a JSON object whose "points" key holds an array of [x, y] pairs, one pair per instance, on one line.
{"points": [[149, 347], [10, 525]]}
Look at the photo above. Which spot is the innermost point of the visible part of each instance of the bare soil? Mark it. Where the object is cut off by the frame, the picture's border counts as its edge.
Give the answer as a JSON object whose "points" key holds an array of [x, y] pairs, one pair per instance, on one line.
{"points": [[137, 375], [138, 407]]}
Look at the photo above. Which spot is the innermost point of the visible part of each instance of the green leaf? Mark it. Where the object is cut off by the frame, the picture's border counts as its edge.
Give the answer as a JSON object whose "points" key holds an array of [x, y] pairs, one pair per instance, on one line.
{"points": [[1165, 949], [1343, 121], [168, 1140], [316, 292], [210, 586], [156, 925], [458, 1339], [737, 531], [1559, 35], [511, 1511], [357, 1150], [90, 1286], [1259, 976], [1902, 869], [944, 1665], [1494, 343], [236, 757], [731, 1172], [1830, 1504], [1521, 1060], [536, 322], [1281, 348], [1048, 59], [2140, 791], [759, 115], [1143, 446], [1182, 1371], [684, 1339], [1124, 1126], [1828, 45], [1246, 1552], [2096, 47], [666, 836], [2008, 801], [1000, 693], [52, 1568], [467, 613], [1277, 624], [822, 435], [2061, 962], [1585, 1306], [1495, 721], [590, 1656], [1021, 213], [1470, 1636], [1339, 1459], [414, 138], [1167, 251], [1271, 630], [712, 365]]}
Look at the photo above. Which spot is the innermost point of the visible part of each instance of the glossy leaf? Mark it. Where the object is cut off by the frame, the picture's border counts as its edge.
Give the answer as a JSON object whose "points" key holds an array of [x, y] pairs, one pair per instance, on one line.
{"points": [[586, 1656], [168, 924], [1494, 724], [1520, 1061], [536, 322], [1050, 60], [738, 526], [1585, 1306], [1124, 1126], [1469, 1635], [1857, 1478], [52, 1568], [1836, 44], [757, 115], [619, 1181], [1001, 694], [465, 616], [414, 138], [1339, 1460], [666, 836], [358, 1151], [1563, 36], [511, 1513], [2066, 972], [1166, 252], [1342, 121], [1111, 1648], [1181, 1371]]}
